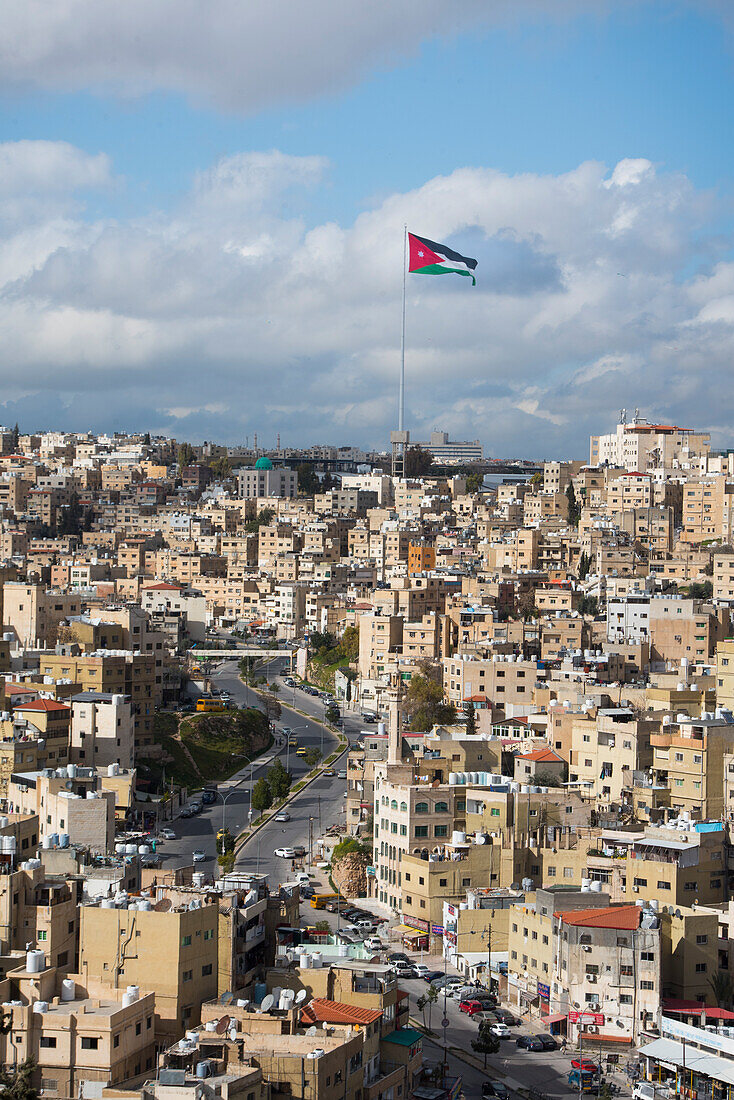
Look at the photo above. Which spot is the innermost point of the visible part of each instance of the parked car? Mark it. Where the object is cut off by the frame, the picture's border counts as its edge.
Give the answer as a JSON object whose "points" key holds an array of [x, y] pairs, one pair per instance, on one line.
{"points": [[167, 834], [307, 891], [374, 943], [208, 796], [492, 1089], [196, 807], [500, 1031], [404, 971], [471, 1007], [421, 969], [198, 856], [395, 955], [285, 853], [549, 1043], [186, 812], [283, 816], [529, 1042], [431, 975], [505, 1017]]}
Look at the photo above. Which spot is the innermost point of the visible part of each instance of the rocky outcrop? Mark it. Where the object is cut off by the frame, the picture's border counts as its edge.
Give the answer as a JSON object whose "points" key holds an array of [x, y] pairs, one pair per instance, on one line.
{"points": [[349, 875]]}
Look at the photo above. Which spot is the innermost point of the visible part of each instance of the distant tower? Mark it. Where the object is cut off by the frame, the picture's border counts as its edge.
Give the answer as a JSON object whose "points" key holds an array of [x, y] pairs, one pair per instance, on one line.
{"points": [[255, 444], [278, 445]]}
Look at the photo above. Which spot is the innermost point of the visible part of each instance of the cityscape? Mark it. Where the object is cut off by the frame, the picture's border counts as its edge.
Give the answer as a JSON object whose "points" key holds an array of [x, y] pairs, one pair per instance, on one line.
{"points": [[366, 635]]}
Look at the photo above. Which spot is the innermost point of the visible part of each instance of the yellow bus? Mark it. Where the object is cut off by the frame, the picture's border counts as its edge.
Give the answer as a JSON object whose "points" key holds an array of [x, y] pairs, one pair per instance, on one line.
{"points": [[211, 706], [319, 901]]}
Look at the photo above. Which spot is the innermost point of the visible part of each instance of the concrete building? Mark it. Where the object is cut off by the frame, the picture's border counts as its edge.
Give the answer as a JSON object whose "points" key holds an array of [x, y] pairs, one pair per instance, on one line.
{"points": [[264, 480], [102, 730]]}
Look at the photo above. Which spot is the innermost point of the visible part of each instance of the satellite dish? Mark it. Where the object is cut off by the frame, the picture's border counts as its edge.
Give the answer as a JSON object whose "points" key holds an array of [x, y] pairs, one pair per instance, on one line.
{"points": [[232, 1033], [222, 1025], [69, 784], [301, 996], [267, 1003], [163, 905], [226, 998]]}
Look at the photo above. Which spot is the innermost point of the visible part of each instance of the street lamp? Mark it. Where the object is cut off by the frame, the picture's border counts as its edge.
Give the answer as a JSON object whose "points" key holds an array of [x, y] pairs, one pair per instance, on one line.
{"points": [[288, 744]]}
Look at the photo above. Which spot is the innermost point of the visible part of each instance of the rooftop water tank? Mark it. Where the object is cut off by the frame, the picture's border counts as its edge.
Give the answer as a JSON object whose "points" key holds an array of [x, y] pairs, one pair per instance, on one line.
{"points": [[596, 887], [113, 769], [197, 879], [35, 961], [68, 990], [64, 840], [203, 1069], [71, 771], [40, 1006], [316, 959]]}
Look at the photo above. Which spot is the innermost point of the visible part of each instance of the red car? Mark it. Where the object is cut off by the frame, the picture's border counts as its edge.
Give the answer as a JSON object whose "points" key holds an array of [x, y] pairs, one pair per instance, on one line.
{"points": [[471, 1007], [585, 1064]]}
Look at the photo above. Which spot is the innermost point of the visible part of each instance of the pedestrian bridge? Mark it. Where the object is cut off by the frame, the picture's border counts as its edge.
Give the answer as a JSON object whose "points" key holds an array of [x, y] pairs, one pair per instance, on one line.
{"points": [[237, 654]]}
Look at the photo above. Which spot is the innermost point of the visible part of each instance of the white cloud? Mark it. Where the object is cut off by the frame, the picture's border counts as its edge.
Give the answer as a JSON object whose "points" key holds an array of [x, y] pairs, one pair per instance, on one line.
{"points": [[239, 54], [225, 316]]}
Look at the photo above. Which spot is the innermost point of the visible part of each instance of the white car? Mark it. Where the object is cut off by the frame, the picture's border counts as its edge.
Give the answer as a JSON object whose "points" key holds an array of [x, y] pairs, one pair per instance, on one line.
{"points": [[374, 943], [285, 853], [283, 816], [199, 856], [167, 834], [500, 1031], [421, 969]]}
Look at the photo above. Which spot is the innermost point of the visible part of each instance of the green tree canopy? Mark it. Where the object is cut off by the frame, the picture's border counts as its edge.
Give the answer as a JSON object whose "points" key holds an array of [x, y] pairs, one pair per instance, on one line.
{"points": [[474, 481], [471, 719], [418, 462], [308, 480], [424, 704], [485, 1042], [262, 796], [574, 508], [279, 780]]}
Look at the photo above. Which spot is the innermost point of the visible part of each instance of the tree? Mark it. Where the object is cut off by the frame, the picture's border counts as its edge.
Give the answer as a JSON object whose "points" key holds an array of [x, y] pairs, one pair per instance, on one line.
{"points": [[485, 1042], [308, 480], [424, 704], [275, 688], [431, 996], [418, 462], [319, 640], [262, 796], [312, 757], [589, 605], [584, 565], [721, 987], [185, 454], [15, 436], [247, 666], [349, 643], [226, 862], [71, 517], [574, 508], [332, 713], [273, 708], [279, 780], [537, 479], [262, 519], [471, 719], [221, 467], [18, 1084], [526, 605], [474, 481], [350, 846]]}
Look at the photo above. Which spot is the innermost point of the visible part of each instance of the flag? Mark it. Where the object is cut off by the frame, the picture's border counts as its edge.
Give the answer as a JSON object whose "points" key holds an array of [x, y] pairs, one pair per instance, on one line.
{"points": [[428, 258]]}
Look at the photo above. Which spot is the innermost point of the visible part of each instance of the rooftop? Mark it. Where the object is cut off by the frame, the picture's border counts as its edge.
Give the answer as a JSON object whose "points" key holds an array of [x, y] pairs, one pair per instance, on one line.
{"points": [[626, 917]]}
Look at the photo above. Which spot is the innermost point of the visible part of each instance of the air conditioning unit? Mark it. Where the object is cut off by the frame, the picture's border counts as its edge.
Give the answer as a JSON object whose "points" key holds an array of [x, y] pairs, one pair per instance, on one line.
{"points": [[636, 889], [591, 978], [592, 1028]]}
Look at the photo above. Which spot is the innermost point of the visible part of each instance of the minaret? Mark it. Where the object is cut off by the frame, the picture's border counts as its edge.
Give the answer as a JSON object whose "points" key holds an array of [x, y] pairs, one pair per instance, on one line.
{"points": [[394, 737]]}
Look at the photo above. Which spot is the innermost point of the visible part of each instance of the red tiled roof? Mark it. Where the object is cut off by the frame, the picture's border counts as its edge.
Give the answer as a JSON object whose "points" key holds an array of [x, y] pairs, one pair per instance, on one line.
{"points": [[696, 1008], [625, 917], [547, 755], [21, 689], [163, 586], [42, 704], [322, 1011], [475, 699]]}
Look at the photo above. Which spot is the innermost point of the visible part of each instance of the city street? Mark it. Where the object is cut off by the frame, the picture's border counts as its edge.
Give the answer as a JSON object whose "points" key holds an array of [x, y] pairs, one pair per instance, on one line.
{"points": [[323, 800]]}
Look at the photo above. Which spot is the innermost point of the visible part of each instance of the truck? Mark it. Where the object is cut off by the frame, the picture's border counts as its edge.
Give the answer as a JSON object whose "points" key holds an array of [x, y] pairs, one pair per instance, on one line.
{"points": [[582, 1080]]}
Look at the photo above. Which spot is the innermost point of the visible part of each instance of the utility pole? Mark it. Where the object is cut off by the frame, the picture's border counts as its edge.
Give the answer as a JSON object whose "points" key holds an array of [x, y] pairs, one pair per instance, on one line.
{"points": [[310, 842]]}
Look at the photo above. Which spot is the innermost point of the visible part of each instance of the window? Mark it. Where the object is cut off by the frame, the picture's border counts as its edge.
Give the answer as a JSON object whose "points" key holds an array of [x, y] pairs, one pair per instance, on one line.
{"points": [[138, 1027], [647, 985], [647, 956], [403, 830], [404, 807], [440, 830], [441, 808], [663, 885], [625, 999], [442, 881], [187, 975], [701, 968], [421, 830], [640, 882], [702, 939], [89, 1043], [186, 941], [48, 1041], [568, 872], [116, 1040], [421, 807], [625, 971], [42, 935]]}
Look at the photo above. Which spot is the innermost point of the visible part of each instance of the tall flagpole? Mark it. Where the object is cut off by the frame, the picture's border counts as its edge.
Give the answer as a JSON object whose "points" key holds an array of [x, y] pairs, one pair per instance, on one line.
{"points": [[401, 399]]}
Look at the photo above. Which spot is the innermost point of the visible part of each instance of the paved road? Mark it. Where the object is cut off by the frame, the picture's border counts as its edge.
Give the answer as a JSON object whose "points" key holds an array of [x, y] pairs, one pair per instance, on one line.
{"points": [[323, 800]]}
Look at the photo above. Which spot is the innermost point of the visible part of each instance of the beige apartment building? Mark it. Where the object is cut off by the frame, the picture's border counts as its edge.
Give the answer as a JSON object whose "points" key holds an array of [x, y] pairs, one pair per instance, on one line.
{"points": [[504, 679], [173, 951], [82, 1034], [688, 757], [102, 730], [33, 614]]}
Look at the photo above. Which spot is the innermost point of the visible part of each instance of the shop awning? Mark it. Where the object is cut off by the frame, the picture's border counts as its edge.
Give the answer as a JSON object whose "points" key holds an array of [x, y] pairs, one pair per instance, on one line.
{"points": [[557, 1019], [406, 930]]}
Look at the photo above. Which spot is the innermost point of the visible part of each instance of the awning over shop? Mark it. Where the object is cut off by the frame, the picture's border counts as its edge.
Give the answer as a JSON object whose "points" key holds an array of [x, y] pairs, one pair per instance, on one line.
{"points": [[673, 1054], [528, 997], [412, 933], [557, 1019]]}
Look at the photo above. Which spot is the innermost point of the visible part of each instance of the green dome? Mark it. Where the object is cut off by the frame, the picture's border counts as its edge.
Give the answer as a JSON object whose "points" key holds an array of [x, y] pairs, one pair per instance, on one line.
{"points": [[263, 463]]}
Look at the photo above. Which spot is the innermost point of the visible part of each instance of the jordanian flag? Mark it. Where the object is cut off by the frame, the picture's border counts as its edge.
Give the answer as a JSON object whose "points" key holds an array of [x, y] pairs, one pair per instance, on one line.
{"points": [[429, 258]]}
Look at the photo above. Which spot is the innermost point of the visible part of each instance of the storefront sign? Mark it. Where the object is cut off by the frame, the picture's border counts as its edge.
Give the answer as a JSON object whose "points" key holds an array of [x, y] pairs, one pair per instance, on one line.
{"points": [[543, 991], [586, 1018], [372, 871], [416, 922], [437, 930]]}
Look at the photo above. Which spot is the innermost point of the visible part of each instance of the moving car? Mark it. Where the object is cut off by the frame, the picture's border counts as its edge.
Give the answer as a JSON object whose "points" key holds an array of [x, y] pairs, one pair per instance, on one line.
{"points": [[283, 816], [329, 771], [500, 1031], [167, 834], [549, 1043], [300, 752], [293, 742], [198, 856], [285, 853], [529, 1042], [341, 775]]}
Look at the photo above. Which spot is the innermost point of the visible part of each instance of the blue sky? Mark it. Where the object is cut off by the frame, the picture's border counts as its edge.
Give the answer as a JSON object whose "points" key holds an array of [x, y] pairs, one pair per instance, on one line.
{"points": [[529, 97]]}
